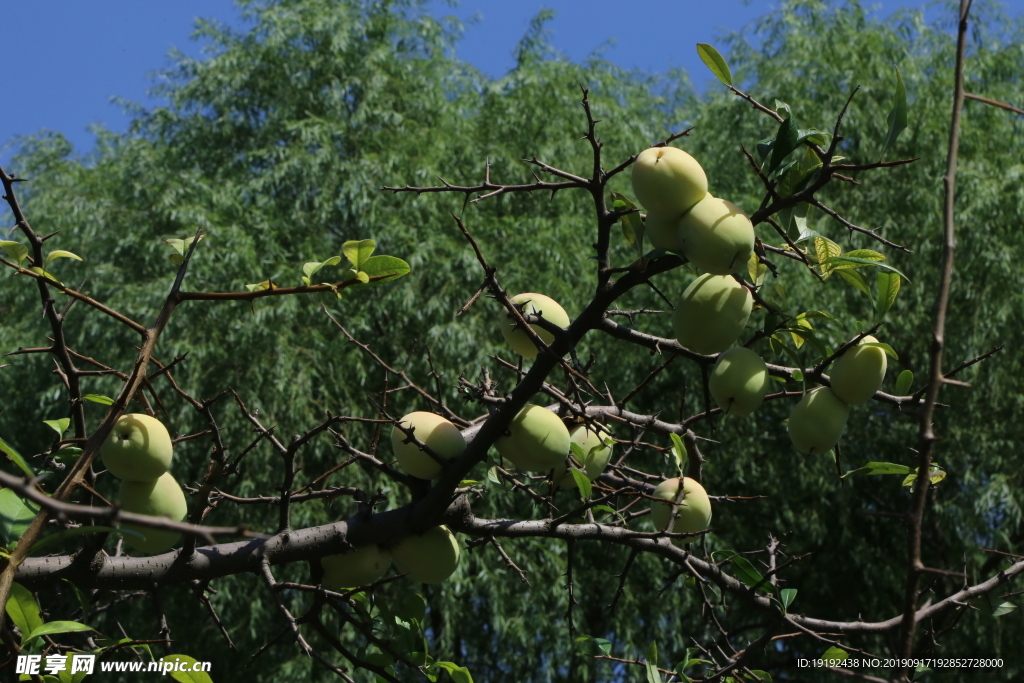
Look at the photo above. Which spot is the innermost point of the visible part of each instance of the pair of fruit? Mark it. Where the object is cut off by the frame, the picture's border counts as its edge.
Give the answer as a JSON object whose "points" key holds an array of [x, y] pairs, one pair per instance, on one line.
{"points": [[138, 451], [430, 557], [537, 441], [819, 419], [682, 216]]}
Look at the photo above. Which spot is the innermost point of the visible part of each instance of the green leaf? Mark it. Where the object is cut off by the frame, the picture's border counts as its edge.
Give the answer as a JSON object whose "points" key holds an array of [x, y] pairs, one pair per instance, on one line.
{"points": [[60, 426], [651, 664], [187, 676], [632, 226], [51, 627], [715, 62], [16, 514], [866, 254], [937, 475], [459, 674], [412, 607], [98, 398], [492, 475], [879, 468], [835, 653], [309, 269], [824, 249], [756, 270], [888, 288], [889, 351], [21, 607], [16, 250], [747, 573], [855, 279], [390, 266], [16, 459], [786, 140], [582, 483], [181, 248], [60, 253], [898, 116], [603, 645], [846, 261], [358, 251], [47, 275], [903, 383], [1003, 609], [260, 286], [787, 596], [798, 376], [678, 450]]}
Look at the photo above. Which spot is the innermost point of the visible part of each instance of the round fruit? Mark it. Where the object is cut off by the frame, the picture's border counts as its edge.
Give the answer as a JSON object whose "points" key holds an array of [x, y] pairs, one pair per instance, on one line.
{"points": [[716, 236], [597, 451], [355, 568], [534, 304], [437, 433], [711, 313], [694, 506], [160, 498], [538, 440], [668, 181], [739, 381], [138, 448], [858, 373], [817, 421], [430, 557], [663, 232]]}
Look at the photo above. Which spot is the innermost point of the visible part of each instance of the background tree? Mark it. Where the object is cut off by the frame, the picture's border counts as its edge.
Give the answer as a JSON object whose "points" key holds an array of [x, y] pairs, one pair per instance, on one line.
{"points": [[277, 147]]}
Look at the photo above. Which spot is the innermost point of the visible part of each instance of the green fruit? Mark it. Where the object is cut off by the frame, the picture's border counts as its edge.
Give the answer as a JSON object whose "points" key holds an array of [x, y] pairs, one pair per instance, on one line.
{"points": [[739, 381], [668, 181], [537, 442], [597, 451], [663, 232], [357, 567], [716, 236], [138, 448], [160, 498], [430, 557], [440, 435], [535, 304], [858, 373], [711, 313], [817, 421], [694, 506]]}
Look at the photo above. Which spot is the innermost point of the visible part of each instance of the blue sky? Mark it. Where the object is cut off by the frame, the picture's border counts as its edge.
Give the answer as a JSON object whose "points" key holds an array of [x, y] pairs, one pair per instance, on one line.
{"points": [[67, 61]]}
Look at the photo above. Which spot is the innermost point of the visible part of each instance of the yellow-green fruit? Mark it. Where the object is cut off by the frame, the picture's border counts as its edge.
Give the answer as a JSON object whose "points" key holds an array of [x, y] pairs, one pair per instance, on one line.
{"points": [[537, 442], [694, 507], [818, 421], [138, 448], [858, 373], [597, 451], [739, 381], [711, 313], [663, 232], [437, 433], [535, 304], [355, 568], [160, 498], [716, 236], [668, 181], [430, 557]]}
